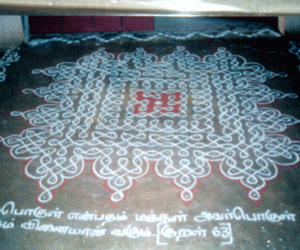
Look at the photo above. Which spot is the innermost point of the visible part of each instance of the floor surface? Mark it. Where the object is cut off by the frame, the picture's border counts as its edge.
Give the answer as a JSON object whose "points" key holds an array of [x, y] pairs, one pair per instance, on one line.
{"points": [[147, 141]]}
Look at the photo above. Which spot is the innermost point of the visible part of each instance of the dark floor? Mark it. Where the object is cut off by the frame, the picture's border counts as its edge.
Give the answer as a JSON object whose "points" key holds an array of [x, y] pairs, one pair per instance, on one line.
{"points": [[147, 141]]}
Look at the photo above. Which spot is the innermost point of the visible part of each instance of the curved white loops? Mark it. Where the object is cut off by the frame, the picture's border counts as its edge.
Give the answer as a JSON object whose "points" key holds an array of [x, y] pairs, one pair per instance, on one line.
{"points": [[180, 112], [253, 30], [9, 57], [295, 49]]}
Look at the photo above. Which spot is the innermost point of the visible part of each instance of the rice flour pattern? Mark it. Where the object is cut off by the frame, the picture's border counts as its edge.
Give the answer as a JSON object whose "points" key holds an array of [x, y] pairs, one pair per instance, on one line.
{"points": [[134, 113], [9, 57]]}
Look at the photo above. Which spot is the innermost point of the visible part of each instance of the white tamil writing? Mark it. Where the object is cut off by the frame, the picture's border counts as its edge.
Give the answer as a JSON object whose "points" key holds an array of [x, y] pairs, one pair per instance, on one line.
{"points": [[165, 231], [235, 214], [9, 208], [238, 214], [7, 224], [87, 216], [132, 232], [163, 218], [164, 228], [36, 225]]}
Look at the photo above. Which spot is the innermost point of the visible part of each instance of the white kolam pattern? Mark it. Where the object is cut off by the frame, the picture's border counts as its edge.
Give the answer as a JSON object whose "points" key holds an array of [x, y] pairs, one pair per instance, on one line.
{"points": [[8, 57], [295, 49], [90, 116], [251, 31]]}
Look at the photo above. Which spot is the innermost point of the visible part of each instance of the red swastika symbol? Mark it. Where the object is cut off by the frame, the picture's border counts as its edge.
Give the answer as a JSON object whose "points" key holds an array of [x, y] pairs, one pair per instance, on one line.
{"points": [[161, 104]]}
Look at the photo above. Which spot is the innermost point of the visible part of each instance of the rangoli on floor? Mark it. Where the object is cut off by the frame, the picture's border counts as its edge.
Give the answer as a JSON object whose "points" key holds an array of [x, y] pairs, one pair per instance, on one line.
{"points": [[176, 114], [295, 49], [238, 29], [8, 57]]}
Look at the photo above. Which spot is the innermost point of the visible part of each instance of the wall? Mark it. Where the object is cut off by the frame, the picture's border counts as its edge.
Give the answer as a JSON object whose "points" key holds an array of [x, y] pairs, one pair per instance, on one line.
{"points": [[11, 32]]}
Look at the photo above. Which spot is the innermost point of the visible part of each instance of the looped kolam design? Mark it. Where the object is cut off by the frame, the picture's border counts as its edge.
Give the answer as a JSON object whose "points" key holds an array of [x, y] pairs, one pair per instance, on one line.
{"points": [[9, 57], [179, 112], [295, 49]]}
